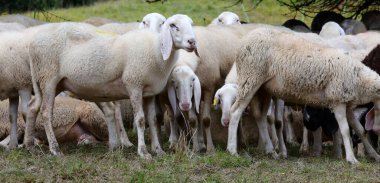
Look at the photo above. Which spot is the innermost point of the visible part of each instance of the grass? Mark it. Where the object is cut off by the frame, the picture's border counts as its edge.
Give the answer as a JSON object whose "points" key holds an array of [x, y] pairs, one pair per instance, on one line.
{"points": [[97, 164], [201, 11]]}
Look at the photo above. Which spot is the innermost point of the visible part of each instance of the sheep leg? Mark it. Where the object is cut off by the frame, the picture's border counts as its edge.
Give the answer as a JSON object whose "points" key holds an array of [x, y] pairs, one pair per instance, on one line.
{"points": [[272, 127], [47, 107], [120, 126], [4, 143], [194, 127], [150, 111], [361, 150], [13, 110], [259, 108], [337, 140], [358, 128], [34, 108], [305, 141], [289, 131], [340, 115], [279, 123], [108, 109], [25, 96], [206, 119], [236, 111], [173, 138], [317, 144], [139, 120]]}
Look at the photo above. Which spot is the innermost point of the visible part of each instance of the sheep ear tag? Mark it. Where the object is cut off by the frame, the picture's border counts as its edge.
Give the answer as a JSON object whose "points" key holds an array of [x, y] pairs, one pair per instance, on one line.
{"points": [[369, 119], [215, 103], [107, 33]]}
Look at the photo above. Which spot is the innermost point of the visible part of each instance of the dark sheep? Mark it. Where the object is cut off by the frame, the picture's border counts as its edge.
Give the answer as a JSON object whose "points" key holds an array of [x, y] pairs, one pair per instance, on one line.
{"points": [[296, 25], [353, 27], [371, 20], [323, 17]]}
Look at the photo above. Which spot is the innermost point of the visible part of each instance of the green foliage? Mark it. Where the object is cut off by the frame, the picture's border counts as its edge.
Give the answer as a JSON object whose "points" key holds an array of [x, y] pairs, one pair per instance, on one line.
{"points": [[28, 5]]}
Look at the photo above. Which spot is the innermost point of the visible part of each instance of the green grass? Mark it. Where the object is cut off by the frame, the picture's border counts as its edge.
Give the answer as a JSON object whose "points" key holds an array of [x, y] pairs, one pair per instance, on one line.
{"points": [[201, 11], [97, 164]]}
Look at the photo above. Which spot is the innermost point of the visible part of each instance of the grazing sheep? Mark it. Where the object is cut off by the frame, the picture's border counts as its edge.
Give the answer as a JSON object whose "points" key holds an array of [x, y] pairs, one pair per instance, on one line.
{"points": [[307, 73], [21, 19], [226, 18], [182, 83], [296, 25], [353, 27], [98, 21], [226, 96], [371, 20], [75, 120], [111, 68], [11, 27], [323, 17]]}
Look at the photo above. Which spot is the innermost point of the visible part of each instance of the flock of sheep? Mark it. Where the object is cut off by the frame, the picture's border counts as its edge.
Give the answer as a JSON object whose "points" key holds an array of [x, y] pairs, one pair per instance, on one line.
{"points": [[170, 69]]}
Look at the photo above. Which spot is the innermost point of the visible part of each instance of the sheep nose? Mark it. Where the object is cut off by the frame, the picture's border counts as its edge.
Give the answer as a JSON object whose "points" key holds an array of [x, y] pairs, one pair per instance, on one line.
{"points": [[185, 106], [226, 121], [191, 42]]}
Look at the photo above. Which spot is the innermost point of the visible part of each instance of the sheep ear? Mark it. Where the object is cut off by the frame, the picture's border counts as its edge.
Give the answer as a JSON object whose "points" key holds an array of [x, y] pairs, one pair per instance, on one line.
{"points": [[369, 119], [166, 41], [197, 93], [172, 98], [216, 100], [141, 25]]}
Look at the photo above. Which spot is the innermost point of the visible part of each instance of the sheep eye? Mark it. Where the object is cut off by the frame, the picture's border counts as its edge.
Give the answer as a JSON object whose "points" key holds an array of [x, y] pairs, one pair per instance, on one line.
{"points": [[193, 79], [144, 22], [173, 26], [176, 87], [237, 21], [162, 23], [220, 20]]}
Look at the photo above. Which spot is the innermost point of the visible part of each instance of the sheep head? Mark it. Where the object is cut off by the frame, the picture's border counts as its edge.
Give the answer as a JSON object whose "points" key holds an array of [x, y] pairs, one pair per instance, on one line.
{"points": [[226, 96], [152, 21], [183, 83], [177, 33], [226, 18]]}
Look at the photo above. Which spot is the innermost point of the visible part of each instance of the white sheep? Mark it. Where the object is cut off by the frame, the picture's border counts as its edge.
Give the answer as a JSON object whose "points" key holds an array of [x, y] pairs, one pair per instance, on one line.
{"points": [[11, 27], [226, 96], [96, 67], [226, 18], [182, 85], [303, 72], [21, 19], [75, 120], [15, 74], [152, 21], [330, 30]]}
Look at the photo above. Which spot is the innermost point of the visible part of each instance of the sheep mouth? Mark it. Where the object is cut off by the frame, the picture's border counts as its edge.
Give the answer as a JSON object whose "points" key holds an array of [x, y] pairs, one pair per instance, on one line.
{"points": [[192, 49]]}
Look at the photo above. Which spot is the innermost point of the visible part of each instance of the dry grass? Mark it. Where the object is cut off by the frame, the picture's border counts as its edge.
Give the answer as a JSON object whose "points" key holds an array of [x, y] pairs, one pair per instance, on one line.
{"points": [[96, 164]]}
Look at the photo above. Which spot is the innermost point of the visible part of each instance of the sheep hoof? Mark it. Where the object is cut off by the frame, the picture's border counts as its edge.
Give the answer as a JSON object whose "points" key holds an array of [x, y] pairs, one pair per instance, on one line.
{"points": [[274, 155], [173, 145], [57, 153], [353, 161], [159, 152], [283, 155], [146, 156], [128, 144], [304, 149], [210, 150]]}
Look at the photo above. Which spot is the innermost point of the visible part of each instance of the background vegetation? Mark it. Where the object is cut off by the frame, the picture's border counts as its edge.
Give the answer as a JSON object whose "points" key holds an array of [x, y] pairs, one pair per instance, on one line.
{"points": [[201, 11]]}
